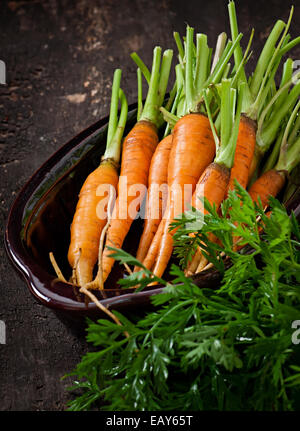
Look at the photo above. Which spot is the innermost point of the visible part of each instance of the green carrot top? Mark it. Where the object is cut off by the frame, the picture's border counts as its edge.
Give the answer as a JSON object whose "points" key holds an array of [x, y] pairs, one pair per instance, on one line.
{"points": [[289, 155], [157, 81], [116, 125], [197, 72], [229, 119]]}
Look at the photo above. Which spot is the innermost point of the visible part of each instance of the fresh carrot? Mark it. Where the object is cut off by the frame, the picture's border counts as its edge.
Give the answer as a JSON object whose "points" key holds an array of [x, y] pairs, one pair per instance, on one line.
{"points": [[271, 182], [87, 223], [158, 173], [213, 183], [138, 149], [158, 177], [86, 226], [192, 150], [244, 152], [151, 255]]}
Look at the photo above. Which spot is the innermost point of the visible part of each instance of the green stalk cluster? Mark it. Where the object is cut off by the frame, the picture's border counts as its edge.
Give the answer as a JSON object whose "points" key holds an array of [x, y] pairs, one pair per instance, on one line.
{"points": [[289, 155], [157, 85]]}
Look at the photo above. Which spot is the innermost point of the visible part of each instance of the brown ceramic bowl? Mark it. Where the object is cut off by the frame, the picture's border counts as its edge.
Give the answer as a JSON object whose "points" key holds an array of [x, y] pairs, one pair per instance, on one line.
{"points": [[39, 222]]}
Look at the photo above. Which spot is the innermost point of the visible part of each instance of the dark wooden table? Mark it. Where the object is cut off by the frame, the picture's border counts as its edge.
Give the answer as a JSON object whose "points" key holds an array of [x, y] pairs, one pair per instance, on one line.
{"points": [[60, 56]]}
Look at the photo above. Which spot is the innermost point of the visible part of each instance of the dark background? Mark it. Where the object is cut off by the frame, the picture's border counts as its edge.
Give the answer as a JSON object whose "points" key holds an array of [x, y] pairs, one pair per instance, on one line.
{"points": [[60, 56]]}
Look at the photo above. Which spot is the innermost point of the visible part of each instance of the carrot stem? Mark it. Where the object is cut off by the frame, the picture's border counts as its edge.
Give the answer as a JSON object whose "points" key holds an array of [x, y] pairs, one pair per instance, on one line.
{"points": [[289, 46], [226, 111], [179, 46], [172, 96], [222, 63], [295, 130], [240, 68], [157, 86], [220, 46], [202, 56], [293, 157], [169, 117], [189, 81], [217, 74], [272, 63], [141, 65], [181, 105], [257, 106], [150, 108], [179, 85], [164, 74], [289, 125], [168, 128], [289, 155], [140, 93], [226, 71], [113, 150], [264, 57], [238, 55], [230, 120], [286, 77], [266, 133], [116, 125], [212, 125], [113, 116], [272, 159]]}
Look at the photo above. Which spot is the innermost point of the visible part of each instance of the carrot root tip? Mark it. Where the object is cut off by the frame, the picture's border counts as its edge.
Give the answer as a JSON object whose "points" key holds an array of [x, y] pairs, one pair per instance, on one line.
{"points": [[56, 268]]}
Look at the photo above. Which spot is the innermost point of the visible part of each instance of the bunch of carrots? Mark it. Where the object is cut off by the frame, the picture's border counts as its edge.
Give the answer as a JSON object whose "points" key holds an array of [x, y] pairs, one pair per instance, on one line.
{"points": [[216, 127]]}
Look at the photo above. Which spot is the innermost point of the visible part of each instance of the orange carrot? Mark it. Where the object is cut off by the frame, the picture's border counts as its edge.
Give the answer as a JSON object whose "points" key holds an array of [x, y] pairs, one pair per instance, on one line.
{"points": [[192, 150], [212, 185], [153, 249], [138, 149], [243, 156], [158, 176], [268, 184], [244, 152], [86, 226], [87, 222]]}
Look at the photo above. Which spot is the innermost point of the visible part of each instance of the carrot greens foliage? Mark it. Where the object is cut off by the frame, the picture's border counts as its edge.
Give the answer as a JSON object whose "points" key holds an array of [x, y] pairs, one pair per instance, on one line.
{"points": [[223, 347]]}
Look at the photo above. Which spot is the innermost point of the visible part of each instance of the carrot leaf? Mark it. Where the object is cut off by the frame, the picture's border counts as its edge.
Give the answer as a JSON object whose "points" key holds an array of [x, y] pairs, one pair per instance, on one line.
{"points": [[209, 346]]}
